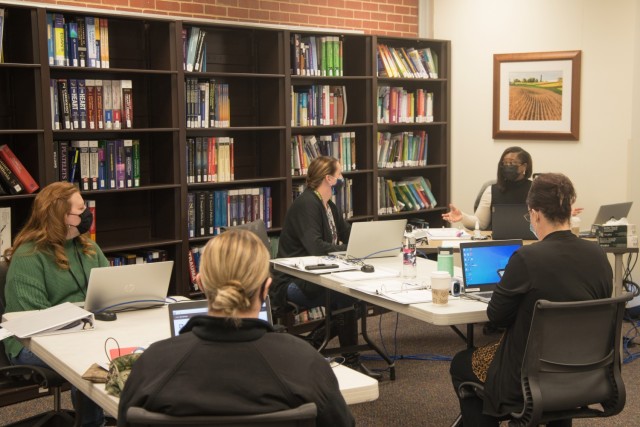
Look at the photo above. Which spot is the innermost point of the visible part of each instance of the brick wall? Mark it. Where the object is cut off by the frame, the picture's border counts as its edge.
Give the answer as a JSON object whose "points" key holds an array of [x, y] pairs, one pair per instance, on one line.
{"points": [[382, 17]]}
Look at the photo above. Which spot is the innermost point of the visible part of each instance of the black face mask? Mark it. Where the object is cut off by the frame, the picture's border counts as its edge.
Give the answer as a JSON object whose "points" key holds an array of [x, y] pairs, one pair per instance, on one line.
{"points": [[86, 218], [510, 172], [338, 185]]}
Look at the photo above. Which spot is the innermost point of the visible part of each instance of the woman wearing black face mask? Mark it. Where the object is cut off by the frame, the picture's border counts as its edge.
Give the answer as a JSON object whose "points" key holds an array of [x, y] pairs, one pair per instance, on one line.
{"points": [[514, 170], [50, 262]]}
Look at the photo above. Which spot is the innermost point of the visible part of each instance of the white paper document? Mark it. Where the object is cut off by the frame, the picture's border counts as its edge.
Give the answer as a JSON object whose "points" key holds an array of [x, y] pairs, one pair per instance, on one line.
{"points": [[65, 317], [395, 289], [379, 273], [314, 264], [447, 234]]}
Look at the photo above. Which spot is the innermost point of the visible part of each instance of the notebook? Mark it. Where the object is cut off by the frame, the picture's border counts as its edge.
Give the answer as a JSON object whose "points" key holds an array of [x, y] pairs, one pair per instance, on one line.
{"points": [[483, 264], [375, 239], [181, 312], [128, 287], [607, 212], [508, 222]]}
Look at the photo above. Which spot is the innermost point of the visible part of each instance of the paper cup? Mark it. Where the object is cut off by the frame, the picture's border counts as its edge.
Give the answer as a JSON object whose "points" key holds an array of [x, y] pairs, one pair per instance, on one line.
{"points": [[440, 286]]}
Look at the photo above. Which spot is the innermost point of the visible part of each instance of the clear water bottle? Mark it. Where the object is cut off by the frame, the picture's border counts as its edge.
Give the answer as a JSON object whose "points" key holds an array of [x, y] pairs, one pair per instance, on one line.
{"points": [[575, 225], [409, 268]]}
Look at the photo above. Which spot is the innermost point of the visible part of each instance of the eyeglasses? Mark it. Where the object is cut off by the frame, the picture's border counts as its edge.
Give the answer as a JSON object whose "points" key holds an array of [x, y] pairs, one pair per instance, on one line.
{"points": [[527, 216], [511, 164]]}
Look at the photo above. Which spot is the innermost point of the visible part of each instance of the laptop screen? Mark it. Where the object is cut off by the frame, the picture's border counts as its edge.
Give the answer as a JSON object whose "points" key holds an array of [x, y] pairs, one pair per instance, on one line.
{"points": [[181, 312], [375, 239], [483, 262]]}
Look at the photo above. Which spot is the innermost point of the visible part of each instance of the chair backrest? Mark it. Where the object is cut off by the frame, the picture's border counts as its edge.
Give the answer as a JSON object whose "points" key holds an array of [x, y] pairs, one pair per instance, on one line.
{"points": [[257, 227], [302, 416], [572, 359], [4, 267], [481, 192]]}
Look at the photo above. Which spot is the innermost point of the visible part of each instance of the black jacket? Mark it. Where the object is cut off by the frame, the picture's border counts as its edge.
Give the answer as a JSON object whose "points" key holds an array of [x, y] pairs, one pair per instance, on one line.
{"points": [[306, 232], [214, 368], [561, 267]]}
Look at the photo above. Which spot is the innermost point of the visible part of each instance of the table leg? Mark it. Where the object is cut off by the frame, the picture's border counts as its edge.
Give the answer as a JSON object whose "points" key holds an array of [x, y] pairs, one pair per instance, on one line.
{"points": [[372, 345]]}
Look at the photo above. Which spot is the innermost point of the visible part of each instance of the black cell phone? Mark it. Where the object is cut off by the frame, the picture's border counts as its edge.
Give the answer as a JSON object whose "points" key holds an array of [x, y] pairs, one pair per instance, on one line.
{"points": [[321, 266]]}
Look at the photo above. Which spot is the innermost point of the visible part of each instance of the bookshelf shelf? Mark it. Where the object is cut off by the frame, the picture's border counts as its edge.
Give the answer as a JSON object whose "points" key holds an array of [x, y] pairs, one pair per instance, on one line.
{"points": [[259, 66]]}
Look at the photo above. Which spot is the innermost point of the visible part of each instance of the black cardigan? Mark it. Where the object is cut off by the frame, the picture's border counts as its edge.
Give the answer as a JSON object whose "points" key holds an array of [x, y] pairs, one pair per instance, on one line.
{"points": [[306, 232]]}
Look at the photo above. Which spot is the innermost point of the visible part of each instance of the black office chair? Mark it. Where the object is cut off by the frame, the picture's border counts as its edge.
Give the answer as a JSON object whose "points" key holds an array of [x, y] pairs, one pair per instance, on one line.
{"points": [[302, 416], [258, 228], [481, 192], [19, 383], [572, 362]]}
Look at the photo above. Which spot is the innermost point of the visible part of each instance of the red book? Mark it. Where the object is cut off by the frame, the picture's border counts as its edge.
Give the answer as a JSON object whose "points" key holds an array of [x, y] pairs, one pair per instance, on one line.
{"points": [[18, 169]]}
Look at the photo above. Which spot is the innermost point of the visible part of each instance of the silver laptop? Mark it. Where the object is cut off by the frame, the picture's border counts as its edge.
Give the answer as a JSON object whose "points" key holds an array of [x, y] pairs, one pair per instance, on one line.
{"points": [[483, 264], [128, 287], [607, 212], [181, 312], [374, 239]]}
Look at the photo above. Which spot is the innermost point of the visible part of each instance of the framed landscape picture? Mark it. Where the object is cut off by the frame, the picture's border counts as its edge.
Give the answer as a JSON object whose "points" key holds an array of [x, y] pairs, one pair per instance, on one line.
{"points": [[537, 95]]}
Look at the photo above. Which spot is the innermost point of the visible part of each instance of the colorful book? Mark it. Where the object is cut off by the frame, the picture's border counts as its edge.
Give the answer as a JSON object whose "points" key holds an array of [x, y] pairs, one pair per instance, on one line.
{"points": [[12, 162]]}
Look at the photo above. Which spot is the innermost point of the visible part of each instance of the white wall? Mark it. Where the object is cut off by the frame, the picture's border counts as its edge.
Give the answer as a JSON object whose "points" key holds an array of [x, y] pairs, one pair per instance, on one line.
{"points": [[603, 163]]}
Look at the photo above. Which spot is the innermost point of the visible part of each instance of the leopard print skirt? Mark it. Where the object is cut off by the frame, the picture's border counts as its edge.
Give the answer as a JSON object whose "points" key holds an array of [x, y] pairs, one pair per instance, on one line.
{"points": [[481, 359]]}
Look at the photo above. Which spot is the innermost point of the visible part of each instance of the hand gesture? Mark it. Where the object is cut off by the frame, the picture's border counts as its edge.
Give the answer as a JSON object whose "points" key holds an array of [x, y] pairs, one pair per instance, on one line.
{"points": [[454, 214]]}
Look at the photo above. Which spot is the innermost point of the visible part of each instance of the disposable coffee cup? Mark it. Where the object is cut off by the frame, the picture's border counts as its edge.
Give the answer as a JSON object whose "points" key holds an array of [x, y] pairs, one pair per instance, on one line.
{"points": [[440, 286]]}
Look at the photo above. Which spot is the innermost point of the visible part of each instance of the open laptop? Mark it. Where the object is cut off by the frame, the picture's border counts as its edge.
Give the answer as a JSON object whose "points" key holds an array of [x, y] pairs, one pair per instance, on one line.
{"points": [[483, 264], [128, 287], [181, 312], [374, 239], [508, 222], [607, 212]]}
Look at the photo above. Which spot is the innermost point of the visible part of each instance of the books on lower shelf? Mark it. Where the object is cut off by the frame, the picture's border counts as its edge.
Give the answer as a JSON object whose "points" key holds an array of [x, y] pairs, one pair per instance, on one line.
{"points": [[91, 104], [398, 105], [141, 256], [407, 63], [402, 149], [13, 174], [409, 194], [316, 55], [5, 230], [78, 41], [318, 105], [210, 159], [209, 211], [98, 164], [305, 148], [207, 103]]}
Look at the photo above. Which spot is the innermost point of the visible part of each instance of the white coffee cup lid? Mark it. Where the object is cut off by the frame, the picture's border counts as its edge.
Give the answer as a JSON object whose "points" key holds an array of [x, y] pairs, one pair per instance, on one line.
{"points": [[440, 275]]}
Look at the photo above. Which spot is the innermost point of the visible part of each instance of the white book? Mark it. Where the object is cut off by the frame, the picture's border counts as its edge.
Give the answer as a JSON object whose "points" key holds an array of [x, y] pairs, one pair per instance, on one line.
{"points": [[5, 230], [61, 318]]}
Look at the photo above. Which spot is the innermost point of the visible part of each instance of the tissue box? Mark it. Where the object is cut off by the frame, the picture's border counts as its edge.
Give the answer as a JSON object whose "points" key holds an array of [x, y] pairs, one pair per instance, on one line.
{"points": [[622, 230], [618, 241]]}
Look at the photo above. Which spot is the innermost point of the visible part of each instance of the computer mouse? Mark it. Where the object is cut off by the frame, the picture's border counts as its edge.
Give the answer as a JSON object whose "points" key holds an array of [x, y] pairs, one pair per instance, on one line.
{"points": [[106, 316], [367, 268]]}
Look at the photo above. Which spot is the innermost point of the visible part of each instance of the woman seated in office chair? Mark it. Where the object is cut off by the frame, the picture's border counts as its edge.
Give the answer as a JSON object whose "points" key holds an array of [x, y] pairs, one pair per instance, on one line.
{"points": [[513, 182], [230, 362], [314, 226], [560, 267], [49, 264]]}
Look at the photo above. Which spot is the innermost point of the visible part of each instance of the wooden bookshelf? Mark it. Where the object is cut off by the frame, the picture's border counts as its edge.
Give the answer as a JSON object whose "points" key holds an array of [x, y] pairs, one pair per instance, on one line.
{"points": [[256, 63]]}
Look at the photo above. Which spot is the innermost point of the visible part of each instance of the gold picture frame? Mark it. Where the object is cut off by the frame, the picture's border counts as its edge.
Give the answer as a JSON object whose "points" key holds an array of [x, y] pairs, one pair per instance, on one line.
{"points": [[537, 95]]}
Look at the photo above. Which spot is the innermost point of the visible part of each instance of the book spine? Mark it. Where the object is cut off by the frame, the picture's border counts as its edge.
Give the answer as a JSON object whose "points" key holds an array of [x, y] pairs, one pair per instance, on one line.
{"points": [[9, 179], [10, 159], [82, 103], [136, 163], [210, 213], [59, 38], [90, 88], [116, 99], [201, 214], [120, 164], [90, 31], [72, 36], [74, 103], [127, 104], [192, 270], [94, 164], [107, 103], [111, 165], [99, 105], [50, 39], [102, 165], [98, 42], [82, 42], [191, 214], [128, 163], [65, 107], [91, 205], [55, 104]]}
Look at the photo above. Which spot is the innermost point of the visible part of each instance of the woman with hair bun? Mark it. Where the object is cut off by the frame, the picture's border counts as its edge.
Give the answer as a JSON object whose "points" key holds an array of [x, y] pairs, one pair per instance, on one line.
{"points": [[230, 362]]}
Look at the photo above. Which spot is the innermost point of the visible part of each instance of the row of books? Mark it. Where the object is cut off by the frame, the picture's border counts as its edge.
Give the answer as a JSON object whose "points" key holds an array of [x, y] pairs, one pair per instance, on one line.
{"points": [[210, 211], [78, 41], [407, 63], [343, 198], [304, 316], [409, 194], [207, 103], [398, 105], [91, 104], [210, 159], [143, 256], [318, 105], [194, 49], [98, 164], [193, 261], [14, 177], [402, 149], [316, 55], [305, 148]]}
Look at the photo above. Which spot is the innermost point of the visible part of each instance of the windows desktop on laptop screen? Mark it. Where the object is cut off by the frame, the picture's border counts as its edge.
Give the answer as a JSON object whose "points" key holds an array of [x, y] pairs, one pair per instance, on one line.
{"points": [[481, 264]]}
